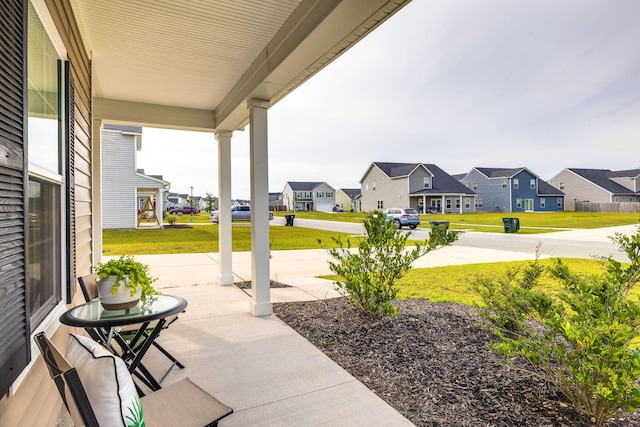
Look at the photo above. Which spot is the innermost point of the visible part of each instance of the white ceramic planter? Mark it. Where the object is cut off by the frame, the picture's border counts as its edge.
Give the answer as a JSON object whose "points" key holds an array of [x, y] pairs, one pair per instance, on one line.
{"points": [[122, 299]]}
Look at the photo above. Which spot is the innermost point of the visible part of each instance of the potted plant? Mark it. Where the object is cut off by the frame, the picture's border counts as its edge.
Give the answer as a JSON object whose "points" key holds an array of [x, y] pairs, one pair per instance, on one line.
{"points": [[122, 282]]}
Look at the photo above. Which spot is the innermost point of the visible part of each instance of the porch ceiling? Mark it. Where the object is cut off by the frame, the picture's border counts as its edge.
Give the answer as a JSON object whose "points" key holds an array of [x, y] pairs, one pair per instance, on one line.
{"points": [[195, 64]]}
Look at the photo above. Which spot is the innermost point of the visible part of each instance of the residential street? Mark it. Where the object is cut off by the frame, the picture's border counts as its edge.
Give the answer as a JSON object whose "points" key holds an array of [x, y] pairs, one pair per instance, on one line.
{"points": [[567, 244]]}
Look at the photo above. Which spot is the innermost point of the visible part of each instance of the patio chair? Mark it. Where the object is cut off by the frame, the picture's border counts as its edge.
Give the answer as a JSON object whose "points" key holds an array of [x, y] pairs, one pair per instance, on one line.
{"points": [[89, 287], [180, 404]]}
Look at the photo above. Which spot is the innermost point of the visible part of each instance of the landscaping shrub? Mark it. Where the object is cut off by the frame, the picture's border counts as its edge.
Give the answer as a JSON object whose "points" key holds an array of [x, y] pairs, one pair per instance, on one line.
{"points": [[368, 274], [582, 340]]}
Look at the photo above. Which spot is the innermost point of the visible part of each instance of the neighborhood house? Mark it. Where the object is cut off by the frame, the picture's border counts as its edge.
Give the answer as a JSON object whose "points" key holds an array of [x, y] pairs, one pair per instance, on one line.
{"points": [[415, 185], [512, 190]]}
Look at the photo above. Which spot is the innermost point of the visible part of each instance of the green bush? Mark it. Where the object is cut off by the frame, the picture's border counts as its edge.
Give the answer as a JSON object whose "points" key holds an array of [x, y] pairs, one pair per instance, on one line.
{"points": [[583, 340], [172, 219], [368, 273]]}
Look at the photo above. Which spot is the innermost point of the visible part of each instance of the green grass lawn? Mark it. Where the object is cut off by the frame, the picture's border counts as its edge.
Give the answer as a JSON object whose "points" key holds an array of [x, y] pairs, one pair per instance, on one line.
{"points": [[204, 238], [452, 283], [530, 222]]}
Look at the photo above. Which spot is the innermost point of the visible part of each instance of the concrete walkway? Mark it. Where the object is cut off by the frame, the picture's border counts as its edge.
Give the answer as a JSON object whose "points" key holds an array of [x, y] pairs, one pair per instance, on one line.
{"points": [[269, 374]]}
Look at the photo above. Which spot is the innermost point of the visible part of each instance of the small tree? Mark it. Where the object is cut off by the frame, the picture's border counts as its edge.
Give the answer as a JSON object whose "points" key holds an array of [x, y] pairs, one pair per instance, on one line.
{"points": [[210, 200], [584, 340], [369, 272]]}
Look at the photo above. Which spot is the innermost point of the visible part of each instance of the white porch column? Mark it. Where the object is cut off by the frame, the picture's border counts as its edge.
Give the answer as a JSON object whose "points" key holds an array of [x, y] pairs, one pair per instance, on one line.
{"points": [[461, 205], [443, 207], [261, 300], [158, 206], [224, 207]]}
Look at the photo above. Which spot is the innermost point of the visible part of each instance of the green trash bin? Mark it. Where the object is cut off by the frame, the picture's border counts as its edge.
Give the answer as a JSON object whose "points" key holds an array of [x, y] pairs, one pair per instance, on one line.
{"points": [[289, 219], [511, 225]]}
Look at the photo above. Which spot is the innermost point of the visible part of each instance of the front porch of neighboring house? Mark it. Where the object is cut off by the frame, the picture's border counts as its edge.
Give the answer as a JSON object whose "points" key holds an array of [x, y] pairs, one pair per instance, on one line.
{"points": [[443, 203], [150, 207]]}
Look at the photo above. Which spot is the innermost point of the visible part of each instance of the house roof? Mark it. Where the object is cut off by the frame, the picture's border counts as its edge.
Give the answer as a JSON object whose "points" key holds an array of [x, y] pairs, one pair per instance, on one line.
{"points": [[546, 189], [306, 186], [216, 57], [602, 178], [353, 193], [443, 183], [502, 172], [397, 170]]}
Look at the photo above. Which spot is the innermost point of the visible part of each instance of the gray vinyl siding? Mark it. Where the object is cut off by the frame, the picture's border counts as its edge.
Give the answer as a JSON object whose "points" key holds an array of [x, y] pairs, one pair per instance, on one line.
{"points": [[416, 180], [577, 188], [324, 204], [118, 190], [120, 182], [494, 197], [392, 192]]}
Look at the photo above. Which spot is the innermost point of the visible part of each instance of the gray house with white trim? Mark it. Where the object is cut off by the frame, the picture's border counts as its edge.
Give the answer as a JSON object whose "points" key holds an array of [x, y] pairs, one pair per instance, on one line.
{"points": [[309, 196], [125, 190], [415, 185]]}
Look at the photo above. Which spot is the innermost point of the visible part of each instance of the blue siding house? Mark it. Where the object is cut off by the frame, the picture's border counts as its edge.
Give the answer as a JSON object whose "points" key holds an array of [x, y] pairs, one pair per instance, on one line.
{"points": [[512, 190]]}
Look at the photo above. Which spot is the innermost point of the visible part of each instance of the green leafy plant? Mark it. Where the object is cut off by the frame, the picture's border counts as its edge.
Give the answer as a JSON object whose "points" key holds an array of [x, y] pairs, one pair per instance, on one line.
{"points": [[172, 219], [137, 272], [584, 339], [507, 298], [368, 273]]}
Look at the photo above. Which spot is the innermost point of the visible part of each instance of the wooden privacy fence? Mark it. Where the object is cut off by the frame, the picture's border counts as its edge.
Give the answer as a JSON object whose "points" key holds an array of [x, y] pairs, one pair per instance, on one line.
{"points": [[623, 207]]}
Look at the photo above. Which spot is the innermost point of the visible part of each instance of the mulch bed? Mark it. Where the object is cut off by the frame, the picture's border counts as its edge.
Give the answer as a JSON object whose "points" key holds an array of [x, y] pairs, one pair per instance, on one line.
{"points": [[247, 284], [432, 365], [177, 226]]}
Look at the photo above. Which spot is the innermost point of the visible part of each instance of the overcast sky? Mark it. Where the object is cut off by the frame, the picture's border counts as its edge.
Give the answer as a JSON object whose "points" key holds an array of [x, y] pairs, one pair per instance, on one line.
{"points": [[544, 84]]}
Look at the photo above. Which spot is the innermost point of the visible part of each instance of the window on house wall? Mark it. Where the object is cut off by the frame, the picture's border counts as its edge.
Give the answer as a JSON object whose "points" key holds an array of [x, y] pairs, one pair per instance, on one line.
{"points": [[380, 204], [616, 199], [475, 185], [426, 182], [366, 186], [467, 203], [478, 203], [329, 194], [504, 183], [518, 203], [320, 194], [448, 204], [543, 202], [532, 183], [373, 186], [559, 202], [44, 243], [562, 185], [516, 183], [457, 203]]}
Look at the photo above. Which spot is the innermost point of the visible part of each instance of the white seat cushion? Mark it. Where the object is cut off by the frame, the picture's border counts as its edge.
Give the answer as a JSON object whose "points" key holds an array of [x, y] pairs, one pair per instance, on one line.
{"points": [[107, 382]]}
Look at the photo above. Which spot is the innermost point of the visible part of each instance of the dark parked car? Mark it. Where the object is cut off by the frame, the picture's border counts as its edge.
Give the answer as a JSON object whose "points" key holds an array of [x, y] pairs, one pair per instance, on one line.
{"points": [[184, 210], [402, 217]]}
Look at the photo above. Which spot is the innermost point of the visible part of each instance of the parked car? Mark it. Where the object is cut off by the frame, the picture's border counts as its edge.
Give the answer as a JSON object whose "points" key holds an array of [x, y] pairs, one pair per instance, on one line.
{"points": [[403, 217], [238, 213], [337, 208], [184, 210]]}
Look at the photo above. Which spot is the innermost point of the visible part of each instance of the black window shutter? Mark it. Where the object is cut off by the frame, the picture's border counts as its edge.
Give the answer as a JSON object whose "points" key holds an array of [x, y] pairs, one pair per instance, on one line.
{"points": [[14, 319], [69, 108]]}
